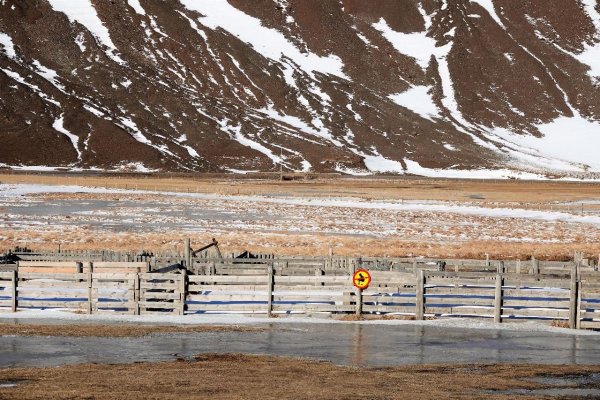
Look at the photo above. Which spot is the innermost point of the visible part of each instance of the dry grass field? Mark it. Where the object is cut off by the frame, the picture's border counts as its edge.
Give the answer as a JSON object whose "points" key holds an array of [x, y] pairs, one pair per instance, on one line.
{"points": [[259, 377], [112, 330], [316, 230]]}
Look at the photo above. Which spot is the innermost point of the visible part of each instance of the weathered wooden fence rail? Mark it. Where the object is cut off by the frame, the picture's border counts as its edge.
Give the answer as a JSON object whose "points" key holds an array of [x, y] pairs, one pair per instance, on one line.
{"points": [[275, 287]]}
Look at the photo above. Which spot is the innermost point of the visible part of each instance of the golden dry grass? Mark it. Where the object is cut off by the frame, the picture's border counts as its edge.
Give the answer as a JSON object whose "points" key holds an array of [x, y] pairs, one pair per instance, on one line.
{"points": [[233, 376], [292, 245], [566, 238], [114, 330]]}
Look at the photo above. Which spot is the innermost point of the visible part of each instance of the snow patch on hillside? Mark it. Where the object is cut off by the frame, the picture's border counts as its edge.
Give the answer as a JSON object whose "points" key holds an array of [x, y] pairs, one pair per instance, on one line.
{"points": [[9, 47], [417, 99], [83, 12], [591, 54], [58, 125], [48, 74], [378, 163], [413, 167], [137, 7], [266, 41], [569, 139], [416, 45], [297, 123], [15, 75], [135, 131]]}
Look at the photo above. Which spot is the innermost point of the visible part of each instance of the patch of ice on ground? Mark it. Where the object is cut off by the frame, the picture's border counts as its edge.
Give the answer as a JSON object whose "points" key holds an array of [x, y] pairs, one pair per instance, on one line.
{"points": [[236, 319], [266, 41], [16, 190]]}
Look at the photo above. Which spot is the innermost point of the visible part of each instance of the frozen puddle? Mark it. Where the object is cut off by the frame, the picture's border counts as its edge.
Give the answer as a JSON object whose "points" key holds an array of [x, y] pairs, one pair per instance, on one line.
{"points": [[561, 386], [343, 344]]}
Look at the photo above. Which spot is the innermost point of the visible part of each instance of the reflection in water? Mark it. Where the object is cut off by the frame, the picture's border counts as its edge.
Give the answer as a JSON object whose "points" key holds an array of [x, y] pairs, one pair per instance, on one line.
{"points": [[353, 344], [358, 346]]}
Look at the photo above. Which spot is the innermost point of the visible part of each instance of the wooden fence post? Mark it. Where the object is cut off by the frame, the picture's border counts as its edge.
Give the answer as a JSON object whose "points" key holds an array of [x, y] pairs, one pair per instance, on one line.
{"points": [[500, 269], [573, 296], [498, 299], [136, 294], [420, 296], [578, 307], [182, 292], [518, 267], [535, 266], [90, 292], [271, 283], [487, 259], [359, 301], [188, 253], [15, 292]]}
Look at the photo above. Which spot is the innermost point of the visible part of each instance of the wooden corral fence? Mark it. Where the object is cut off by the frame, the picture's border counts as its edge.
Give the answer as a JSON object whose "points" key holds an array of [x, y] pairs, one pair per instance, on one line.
{"points": [[570, 294]]}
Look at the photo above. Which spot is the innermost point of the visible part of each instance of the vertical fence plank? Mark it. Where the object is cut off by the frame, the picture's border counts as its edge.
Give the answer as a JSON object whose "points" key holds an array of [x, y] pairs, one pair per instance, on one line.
{"points": [[420, 296], [578, 307], [188, 253], [182, 292], [15, 283], [271, 283], [90, 292], [573, 313], [498, 299], [136, 294]]}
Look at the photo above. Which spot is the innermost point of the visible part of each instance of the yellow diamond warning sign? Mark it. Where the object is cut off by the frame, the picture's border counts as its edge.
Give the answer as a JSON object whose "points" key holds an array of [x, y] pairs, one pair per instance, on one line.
{"points": [[361, 279]]}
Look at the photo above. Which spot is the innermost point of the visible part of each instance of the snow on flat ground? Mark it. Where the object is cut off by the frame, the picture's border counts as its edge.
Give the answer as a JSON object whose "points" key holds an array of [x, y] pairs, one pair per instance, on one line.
{"points": [[234, 319]]}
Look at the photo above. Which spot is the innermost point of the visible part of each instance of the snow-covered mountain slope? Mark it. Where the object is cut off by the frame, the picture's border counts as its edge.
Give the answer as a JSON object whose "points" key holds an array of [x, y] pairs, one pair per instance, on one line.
{"points": [[427, 87]]}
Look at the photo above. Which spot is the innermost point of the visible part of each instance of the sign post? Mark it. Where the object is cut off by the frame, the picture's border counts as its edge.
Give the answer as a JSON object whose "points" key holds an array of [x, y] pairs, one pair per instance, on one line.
{"points": [[361, 280]]}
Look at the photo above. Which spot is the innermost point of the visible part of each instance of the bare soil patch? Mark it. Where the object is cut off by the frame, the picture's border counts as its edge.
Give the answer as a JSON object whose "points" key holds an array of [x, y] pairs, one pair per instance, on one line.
{"points": [[233, 376], [94, 330]]}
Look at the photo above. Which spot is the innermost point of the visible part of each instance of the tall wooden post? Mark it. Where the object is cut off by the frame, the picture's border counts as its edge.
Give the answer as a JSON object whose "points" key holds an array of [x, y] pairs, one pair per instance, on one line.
{"points": [[271, 284], [188, 253], [420, 296], [15, 292], [573, 296], [500, 269], [498, 299], [359, 301], [136, 294], [182, 292], [90, 292]]}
